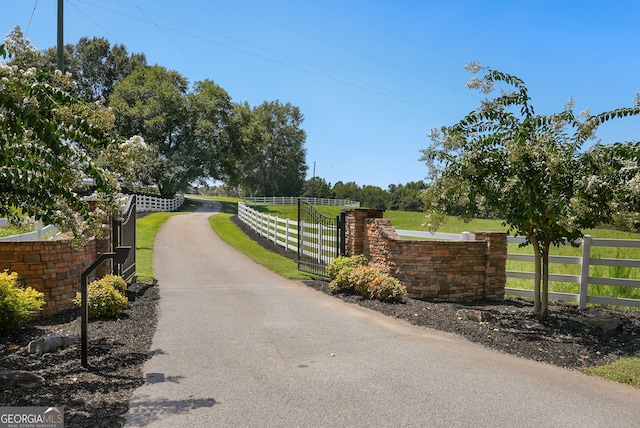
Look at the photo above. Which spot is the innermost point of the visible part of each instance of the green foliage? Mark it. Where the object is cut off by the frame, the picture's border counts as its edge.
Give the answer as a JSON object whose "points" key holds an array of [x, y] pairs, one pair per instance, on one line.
{"points": [[103, 300], [372, 280], [95, 65], [339, 270], [276, 163], [531, 170], [50, 136], [17, 304], [116, 282]]}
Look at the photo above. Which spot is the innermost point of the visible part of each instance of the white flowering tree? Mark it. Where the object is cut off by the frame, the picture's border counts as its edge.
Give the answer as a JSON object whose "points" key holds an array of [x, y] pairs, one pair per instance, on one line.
{"points": [[532, 170], [48, 142]]}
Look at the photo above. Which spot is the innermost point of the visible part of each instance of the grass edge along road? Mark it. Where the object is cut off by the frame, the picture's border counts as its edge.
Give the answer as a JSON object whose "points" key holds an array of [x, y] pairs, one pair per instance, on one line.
{"points": [[626, 370]]}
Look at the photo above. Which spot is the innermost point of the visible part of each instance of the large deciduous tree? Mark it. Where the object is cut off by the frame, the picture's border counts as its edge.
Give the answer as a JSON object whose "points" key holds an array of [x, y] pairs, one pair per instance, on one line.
{"points": [[533, 170], [48, 138], [95, 65], [152, 102], [276, 165]]}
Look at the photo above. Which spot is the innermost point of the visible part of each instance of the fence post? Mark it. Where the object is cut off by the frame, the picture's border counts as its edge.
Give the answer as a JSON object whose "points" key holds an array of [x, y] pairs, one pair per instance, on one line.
{"points": [[275, 230], [584, 273]]}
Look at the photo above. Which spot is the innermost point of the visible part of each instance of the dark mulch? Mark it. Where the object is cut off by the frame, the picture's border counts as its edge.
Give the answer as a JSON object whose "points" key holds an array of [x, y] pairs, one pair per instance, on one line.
{"points": [[98, 396]]}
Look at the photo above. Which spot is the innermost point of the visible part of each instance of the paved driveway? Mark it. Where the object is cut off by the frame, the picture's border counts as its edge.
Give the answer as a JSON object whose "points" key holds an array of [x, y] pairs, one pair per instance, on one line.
{"points": [[238, 346]]}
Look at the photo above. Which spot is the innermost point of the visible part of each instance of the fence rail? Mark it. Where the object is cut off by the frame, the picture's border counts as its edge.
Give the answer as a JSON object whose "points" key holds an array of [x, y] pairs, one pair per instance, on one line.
{"points": [[284, 232], [293, 200], [585, 261], [37, 234], [153, 203]]}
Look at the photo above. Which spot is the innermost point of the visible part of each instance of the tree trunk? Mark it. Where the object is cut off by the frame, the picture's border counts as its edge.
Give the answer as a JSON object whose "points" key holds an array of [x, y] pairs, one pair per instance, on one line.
{"points": [[544, 309], [537, 277]]}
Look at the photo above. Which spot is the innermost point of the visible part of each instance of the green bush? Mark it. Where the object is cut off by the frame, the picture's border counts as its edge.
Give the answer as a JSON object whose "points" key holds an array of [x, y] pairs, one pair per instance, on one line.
{"points": [[116, 282], [17, 305], [339, 270], [103, 300]]}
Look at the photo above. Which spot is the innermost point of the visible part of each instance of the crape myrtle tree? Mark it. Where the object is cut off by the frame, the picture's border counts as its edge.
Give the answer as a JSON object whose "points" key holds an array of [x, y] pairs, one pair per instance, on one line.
{"points": [[535, 171], [47, 140]]}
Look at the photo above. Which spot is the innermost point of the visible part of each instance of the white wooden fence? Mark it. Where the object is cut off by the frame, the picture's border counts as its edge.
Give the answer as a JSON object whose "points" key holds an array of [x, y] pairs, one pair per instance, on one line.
{"points": [[585, 261], [153, 203], [284, 232], [37, 234], [293, 200]]}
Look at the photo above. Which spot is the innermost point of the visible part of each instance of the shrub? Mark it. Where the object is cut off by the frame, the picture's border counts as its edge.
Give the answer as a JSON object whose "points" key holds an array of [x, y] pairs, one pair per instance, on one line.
{"points": [[387, 288], [103, 300], [339, 270], [116, 282], [17, 304], [362, 277]]}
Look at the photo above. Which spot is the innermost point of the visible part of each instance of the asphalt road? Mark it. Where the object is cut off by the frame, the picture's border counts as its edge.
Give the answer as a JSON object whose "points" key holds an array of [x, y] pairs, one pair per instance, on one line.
{"points": [[238, 346]]}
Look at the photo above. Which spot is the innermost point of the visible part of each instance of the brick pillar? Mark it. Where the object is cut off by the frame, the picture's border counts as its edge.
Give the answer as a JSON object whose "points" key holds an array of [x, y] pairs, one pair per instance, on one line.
{"points": [[355, 228], [496, 265]]}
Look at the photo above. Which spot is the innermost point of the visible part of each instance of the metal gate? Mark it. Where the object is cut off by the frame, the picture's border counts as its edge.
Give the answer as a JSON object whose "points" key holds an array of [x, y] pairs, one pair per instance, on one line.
{"points": [[320, 239], [124, 234]]}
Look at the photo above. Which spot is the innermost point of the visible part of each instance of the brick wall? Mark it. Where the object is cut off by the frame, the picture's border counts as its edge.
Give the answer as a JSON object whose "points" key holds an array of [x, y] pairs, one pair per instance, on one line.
{"points": [[52, 267], [457, 271]]}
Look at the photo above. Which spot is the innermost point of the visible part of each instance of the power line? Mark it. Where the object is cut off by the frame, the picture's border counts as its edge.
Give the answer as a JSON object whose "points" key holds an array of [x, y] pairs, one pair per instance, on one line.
{"points": [[33, 12], [370, 87]]}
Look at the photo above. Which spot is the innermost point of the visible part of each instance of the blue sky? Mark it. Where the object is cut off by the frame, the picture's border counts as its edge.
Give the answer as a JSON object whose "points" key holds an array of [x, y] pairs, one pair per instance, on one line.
{"points": [[371, 77]]}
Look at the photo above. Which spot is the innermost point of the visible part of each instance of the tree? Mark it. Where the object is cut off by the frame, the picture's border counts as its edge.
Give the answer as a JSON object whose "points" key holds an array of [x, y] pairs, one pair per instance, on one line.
{"points": [[406, 197], [317, 187], [216, 132], [47, 141], [152, 102], [530, 168], [374, 197], [349, 191], [276, 164], [95, 65]]}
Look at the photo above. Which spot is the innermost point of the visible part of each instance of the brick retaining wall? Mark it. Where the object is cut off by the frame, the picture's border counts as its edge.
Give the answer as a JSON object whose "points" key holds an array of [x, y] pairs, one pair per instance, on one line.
{"points": [[52, 267], [457, 271]]}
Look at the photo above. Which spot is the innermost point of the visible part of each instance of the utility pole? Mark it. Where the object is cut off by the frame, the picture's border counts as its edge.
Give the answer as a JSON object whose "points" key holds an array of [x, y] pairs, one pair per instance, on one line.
{"points": [[60, 62]]}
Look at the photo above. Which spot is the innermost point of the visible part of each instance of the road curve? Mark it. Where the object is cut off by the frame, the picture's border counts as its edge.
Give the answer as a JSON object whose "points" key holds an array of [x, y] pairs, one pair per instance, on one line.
{"points": [[238, 346]]}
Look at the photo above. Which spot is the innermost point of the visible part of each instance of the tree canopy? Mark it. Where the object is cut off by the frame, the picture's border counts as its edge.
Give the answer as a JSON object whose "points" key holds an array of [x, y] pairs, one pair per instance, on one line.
{"points": [[531, 169], [48, 142], [276, 162]]}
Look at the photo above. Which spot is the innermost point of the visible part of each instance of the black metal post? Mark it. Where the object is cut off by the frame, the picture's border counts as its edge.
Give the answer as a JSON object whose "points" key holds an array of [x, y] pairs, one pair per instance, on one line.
{"points": [[120, 255]]}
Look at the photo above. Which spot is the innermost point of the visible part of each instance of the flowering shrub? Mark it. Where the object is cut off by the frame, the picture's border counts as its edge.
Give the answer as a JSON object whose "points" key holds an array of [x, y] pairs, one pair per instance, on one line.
{"points": [[103, 300], [339, 270], [362, 277], [17, 305], [370, 280], [388, 289]]}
